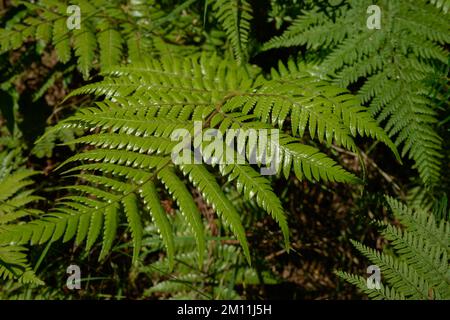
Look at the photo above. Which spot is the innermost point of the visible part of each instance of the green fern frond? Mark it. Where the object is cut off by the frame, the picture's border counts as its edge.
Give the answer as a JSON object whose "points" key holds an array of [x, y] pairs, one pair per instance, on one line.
{"points": [[251, 184], [130, 205], [110, 44], [12, 197], [384, 293], [15, 196], [131, 137], [393, 66], [150, 198], [188, 207], [85, 45], [213, 194], [422, 224], [235, 17], [420, 268], [225, 266], [110, 229], [14, 265], [397, 273], [443, 4], [97, 42]]}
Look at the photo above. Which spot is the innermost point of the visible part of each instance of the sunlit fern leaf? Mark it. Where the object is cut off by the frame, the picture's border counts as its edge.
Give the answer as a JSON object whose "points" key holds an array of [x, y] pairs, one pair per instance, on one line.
{"points": [[188, 207], [251, 184], [213, 194], [14, 265], [110, 44], [327, 111], [95, 227], [235, 17]]}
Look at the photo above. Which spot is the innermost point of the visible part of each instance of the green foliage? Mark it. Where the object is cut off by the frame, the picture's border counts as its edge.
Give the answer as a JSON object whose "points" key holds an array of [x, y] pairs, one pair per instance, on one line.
{"points": [[394, 66], [420, 270], [14, 197], [110, 32], [165, 78], [235, 17], [133, 147], [444, 4]]}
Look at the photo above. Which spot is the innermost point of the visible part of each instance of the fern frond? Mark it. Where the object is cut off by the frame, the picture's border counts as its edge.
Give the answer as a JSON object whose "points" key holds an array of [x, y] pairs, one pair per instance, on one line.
{"points": [[61, 40], [430, 262], [397, 273], [212, 193], [422, 224], [420, 268], [150, 197], [110, 44], [97, 41], [14, 265], [130, 205], [384, 293], [235, 17], [110, 229], [85, 45], [132, 139], [394, 67], [250, 183]]}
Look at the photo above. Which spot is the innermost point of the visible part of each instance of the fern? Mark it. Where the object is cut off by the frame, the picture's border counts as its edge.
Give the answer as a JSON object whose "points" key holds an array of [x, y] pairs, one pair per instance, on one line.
{"points": [[235, 17], [443, 4], [396, 63], [14, 197], [109, 31], [421, 269], [131, 146]]}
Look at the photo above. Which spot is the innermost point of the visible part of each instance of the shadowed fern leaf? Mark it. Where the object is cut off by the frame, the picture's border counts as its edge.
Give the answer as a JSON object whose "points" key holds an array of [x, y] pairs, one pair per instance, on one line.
{"points": [[152, 108], [14, 197], [421, 269], [394, 64]]}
